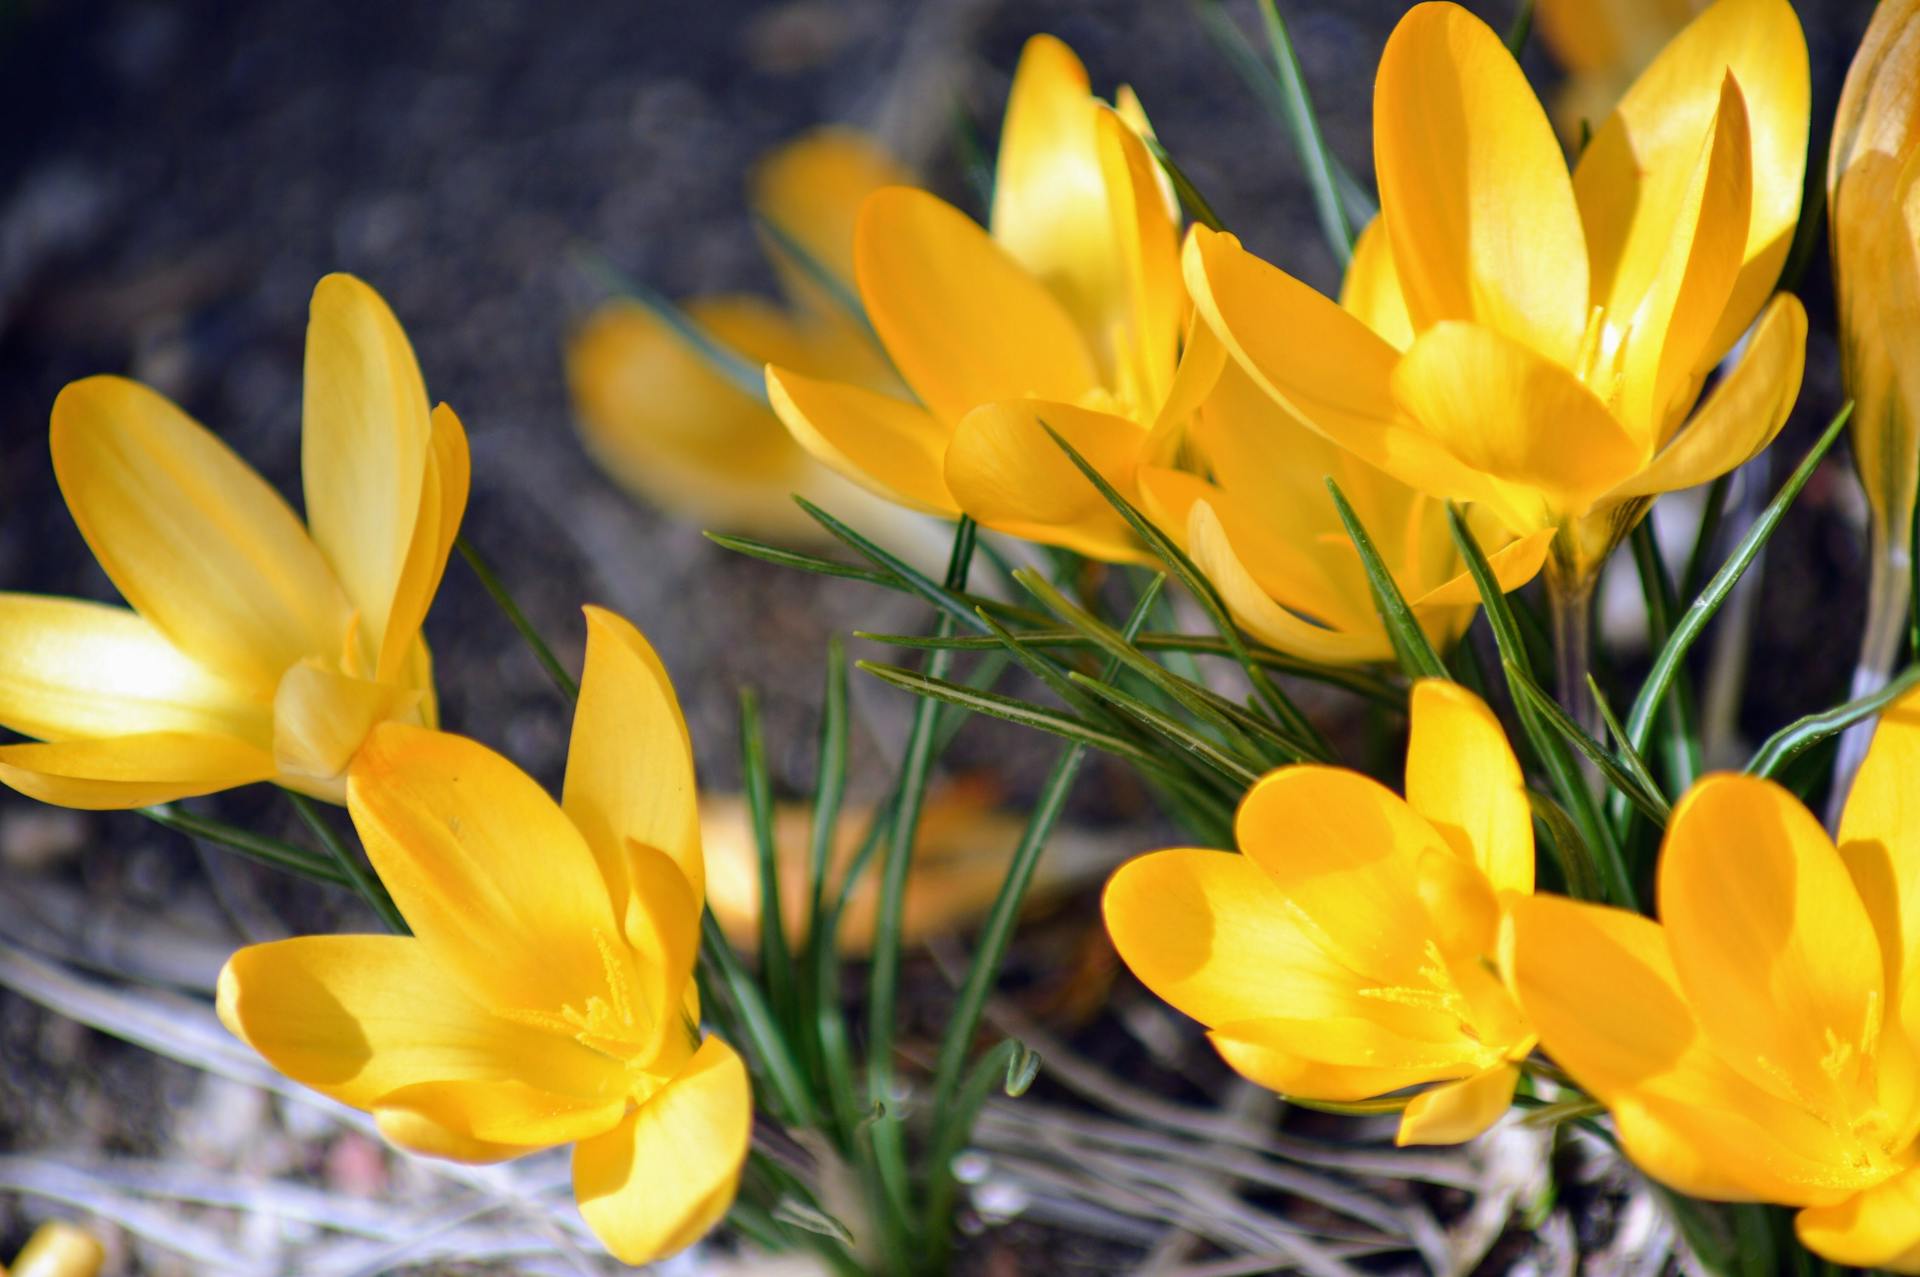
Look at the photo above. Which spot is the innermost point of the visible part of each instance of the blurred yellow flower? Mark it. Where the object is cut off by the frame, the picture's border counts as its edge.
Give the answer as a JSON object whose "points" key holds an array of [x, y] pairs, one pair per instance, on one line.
{"points": [[676, 430], [1264, 530], [1559, 329], [1873, 192], [255, 648], [1603, 44], [1758, 1043], [1346, 953], [58, 1249], [546, 995], [1069, 313]]}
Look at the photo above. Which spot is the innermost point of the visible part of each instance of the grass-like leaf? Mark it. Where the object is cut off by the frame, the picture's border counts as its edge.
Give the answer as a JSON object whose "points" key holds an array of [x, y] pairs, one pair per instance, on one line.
{"points": [[503, 599], [1173, 730], [1628, 777], [745, 375], [776, 957], [1410, 642], [1197, 207], [275, 853], [1793, 740]]}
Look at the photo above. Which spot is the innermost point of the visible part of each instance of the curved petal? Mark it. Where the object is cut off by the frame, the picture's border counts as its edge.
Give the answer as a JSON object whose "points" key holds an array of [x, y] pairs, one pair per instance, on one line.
{"points": [[1514, 564], [1877, 1229], [810, 192], [490, 874], [443, 500], [70, 668], [195, 540], [1254, 1051], [1502, 409], [964, 322], [1462, 776], [1742, 414], [1880, 844], [320, 717], [1210, 933], [416, 1133], [507, 1111], [1370, 290], [660, 1180], [630, 761], [1771, 941], [1147, 329], [1633, 176], [1214, 552], [1008, 474], [885, 445], [365, 439], [1478, 202], [360, 1018], [109, 773], [1326, 368], [1599, 987], [1345, 850], [1459, 1111]]}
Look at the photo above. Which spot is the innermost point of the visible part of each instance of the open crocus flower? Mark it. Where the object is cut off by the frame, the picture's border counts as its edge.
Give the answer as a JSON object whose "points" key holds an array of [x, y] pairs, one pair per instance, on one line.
{"points": [[546, 994], [1758, 1043], [1068, 314], [1346, 953], [1265, 531], [673, 428], [255, 648], [1603, 46], [1559, 328]]}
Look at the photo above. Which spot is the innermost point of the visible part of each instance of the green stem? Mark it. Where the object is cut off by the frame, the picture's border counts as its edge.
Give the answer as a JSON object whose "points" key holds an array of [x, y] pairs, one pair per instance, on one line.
{"points": [[359, 877], [496, 590], [272, 852], [1571, 602], [1880, 642]]}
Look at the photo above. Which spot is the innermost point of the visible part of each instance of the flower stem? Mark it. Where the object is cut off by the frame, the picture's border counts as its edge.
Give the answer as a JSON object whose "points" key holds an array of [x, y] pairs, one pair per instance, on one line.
{"points": [[1886, 628], [1572, 605]]}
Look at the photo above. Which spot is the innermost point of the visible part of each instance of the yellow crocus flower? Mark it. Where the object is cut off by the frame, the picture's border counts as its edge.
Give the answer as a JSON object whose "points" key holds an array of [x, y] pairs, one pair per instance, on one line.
{"points": [[1265, 531], [1603, 44], [546, 994], [1761, 1042], [1873, 191], [1560, 327], [1068, 314], [255, 648], [58, 1249], [673, 429], [1346, 953]]}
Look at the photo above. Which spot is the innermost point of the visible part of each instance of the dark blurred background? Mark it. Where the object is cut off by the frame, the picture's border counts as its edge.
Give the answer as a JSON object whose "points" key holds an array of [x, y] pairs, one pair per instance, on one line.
{"points": [[175, 176]]}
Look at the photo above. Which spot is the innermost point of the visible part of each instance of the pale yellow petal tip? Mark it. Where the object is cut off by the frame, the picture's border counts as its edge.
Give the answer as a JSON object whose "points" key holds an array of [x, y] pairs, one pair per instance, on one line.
{"points": [[1458, 1111], [226, 1002], [59, 1249]]}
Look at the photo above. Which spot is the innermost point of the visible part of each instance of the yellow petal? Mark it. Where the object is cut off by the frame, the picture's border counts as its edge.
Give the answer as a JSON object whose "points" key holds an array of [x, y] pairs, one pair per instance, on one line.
{"points": [[508, 1111], [1215, 552], [1203, 360], [1005, 471], [1666, 342], [1880, 843], [1344, 849], [660, 1180], [1326, 368], [1478, 202], [70, 668], [320, 717], [1770, 939], [1462, 776], [1371, 289], [1146, 331], [1633, 177], [810, 191], [1458, 1111], [965, 323], [1514, 564], [1210, 933], [419, 1134], [60, 1249], [630, 761], [443, 500], [197, 542], [1877, 1229], [1502, 409], [1742, 414], [365, 437], [448, 825], [886, 445], [1355, 1047], [361, 1017], [1599, 987], [112, 772], [1254, 1051]]}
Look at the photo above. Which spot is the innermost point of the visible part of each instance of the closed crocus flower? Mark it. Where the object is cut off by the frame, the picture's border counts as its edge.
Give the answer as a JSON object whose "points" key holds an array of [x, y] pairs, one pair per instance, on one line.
{"points": [[1759, 1042], [1264, 529], [1873, 189], [676, 430], [1345, 953], [1560, 327], [546, 994], [255, 648], [1069, 314]]}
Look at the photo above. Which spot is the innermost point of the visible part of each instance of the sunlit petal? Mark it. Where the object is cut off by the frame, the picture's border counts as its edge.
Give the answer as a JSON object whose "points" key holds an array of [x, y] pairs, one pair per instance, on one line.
{"points": [[1462, 776], [112, 772]]}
